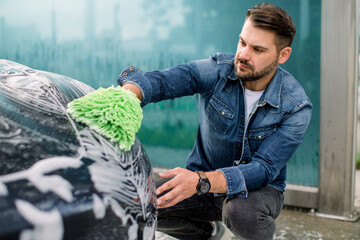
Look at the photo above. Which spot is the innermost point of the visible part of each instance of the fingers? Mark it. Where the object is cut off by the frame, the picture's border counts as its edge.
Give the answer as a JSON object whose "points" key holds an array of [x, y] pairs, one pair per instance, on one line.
{"points": [[172, 197], [167, 197], [170, 173], [167, 201], [181, 186], [165, 187], [169, 184]]}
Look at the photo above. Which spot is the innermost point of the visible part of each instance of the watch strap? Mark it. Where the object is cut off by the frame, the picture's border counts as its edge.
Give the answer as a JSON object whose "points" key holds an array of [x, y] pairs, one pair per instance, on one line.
{"points": [[204, 183], [202, 175]]}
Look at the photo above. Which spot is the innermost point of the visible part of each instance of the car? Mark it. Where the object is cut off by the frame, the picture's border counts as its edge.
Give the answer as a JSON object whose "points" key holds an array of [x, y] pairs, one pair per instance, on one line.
{"points": [[60, 179]]}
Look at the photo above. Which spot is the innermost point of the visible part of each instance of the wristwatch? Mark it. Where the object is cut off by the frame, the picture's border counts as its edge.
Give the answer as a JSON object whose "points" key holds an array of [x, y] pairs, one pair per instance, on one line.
{"points": [[204, 184]]}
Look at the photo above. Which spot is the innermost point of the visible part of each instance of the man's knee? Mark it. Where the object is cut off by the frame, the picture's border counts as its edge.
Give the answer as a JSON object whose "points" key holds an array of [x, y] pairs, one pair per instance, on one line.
{"points": [[247, 219]]}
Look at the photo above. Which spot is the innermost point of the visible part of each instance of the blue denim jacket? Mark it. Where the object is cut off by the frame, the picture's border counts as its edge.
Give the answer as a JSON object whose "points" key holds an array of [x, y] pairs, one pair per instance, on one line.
{"points": [[250, 155]]}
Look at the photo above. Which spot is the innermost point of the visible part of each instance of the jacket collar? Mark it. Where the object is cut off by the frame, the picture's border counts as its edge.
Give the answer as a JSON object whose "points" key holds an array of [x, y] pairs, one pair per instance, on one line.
{"points": [[232, 75], [272, 92]]}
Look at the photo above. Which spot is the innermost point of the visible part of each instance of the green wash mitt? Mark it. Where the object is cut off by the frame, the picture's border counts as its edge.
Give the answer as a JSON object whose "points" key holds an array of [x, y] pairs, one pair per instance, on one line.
{"points": [[113, 112]]}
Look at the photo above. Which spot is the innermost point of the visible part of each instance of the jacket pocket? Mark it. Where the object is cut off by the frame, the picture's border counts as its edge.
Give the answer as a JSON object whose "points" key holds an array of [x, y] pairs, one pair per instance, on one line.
{"points": [[257, 135], [219, 115]]}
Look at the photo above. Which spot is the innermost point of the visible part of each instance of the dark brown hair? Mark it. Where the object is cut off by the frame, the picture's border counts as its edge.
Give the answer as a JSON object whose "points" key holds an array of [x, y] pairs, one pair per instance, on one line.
{"points": [[273, 18]]}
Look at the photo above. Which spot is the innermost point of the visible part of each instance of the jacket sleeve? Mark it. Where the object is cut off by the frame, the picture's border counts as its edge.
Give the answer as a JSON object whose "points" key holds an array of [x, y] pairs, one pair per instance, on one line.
{"points": [[270, 157], [181, 80]]}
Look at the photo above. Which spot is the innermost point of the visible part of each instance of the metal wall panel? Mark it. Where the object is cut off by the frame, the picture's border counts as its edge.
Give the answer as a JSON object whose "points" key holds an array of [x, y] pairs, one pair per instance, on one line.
{"points": [[339, 74]]}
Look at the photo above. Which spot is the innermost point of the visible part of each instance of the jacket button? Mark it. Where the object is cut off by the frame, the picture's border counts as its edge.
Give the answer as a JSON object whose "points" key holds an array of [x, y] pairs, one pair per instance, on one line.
{"points": [[222, 113], [125, 73], [131, 69], [259, 137]]}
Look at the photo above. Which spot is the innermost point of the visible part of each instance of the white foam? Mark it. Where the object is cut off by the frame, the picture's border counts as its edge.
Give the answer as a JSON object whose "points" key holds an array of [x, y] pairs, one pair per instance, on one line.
{"points": [[45, 224]]}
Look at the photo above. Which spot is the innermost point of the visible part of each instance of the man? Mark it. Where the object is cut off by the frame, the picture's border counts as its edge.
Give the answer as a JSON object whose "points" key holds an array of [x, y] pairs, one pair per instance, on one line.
{"points": [[252, 117]]}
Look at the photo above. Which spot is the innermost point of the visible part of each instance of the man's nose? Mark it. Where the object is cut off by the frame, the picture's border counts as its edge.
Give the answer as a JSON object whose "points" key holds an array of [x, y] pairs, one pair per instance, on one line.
{"points": [[245, 53]]}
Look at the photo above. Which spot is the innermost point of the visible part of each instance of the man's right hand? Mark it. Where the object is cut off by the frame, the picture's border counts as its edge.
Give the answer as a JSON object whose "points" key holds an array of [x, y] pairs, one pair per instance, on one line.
{"points": [[133, 88]]}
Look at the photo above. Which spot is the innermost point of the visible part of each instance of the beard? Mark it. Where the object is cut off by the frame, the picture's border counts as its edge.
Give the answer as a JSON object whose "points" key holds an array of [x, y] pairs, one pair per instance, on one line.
{"points": [[253, 76]]}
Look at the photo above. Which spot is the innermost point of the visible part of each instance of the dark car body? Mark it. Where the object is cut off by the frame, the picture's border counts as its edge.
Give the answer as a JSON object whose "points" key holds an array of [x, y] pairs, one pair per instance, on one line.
{"points": [[58, 178]]}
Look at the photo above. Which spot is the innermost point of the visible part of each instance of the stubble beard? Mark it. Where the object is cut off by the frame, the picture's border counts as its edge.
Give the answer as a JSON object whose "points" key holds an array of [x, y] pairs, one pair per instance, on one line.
{"points": [[254, 76]]}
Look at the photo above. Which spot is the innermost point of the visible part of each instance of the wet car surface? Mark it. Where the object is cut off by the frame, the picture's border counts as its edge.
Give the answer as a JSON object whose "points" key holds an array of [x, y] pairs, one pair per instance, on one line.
{"points": [[58, 178]]}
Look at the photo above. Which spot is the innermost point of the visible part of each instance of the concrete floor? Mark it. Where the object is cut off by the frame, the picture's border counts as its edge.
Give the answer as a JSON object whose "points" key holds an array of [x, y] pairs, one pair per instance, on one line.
{"points": [[295, 225], [300, 225]]}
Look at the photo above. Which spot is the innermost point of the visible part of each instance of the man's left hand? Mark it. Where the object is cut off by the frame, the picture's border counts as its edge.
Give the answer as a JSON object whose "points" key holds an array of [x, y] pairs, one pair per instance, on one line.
{"points": [[181, 186]]}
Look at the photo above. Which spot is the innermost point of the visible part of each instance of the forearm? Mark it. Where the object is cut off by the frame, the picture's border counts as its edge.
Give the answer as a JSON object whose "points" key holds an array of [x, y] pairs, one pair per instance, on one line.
{"points": [[183, 185], [177, 81], [217, 181]]}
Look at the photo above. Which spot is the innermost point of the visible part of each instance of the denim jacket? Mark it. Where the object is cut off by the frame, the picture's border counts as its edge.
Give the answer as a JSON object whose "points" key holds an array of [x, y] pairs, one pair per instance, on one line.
{"points": [[250, 155]]}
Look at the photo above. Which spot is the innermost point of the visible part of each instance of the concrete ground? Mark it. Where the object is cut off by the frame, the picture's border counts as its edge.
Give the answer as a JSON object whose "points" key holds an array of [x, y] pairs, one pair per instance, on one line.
{"points": [[296, 224]]}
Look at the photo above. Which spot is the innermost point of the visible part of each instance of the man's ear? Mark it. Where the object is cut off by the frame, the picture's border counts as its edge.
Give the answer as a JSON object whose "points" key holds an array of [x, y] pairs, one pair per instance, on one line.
{"points": [[284, 55]]}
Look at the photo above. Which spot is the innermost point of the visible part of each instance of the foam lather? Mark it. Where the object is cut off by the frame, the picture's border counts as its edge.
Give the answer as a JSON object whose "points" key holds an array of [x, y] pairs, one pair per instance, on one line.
{"points": [[113, 112]]}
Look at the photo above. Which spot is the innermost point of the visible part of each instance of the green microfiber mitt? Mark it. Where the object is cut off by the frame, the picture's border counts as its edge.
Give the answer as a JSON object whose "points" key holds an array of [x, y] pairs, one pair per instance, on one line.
{"points": [[113, 112]]}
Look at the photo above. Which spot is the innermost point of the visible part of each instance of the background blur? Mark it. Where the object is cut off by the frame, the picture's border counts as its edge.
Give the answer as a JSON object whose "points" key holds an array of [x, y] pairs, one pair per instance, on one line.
{"points": [[93, 41]]}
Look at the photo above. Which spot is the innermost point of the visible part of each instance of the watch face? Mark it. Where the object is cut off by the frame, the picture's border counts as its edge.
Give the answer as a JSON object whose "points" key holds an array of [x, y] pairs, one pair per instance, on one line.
{"points": [[205, 187]]}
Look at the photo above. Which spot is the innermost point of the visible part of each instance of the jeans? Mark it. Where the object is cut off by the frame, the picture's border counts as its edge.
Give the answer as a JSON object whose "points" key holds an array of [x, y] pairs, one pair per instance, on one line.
{"points": [[252, 217]]}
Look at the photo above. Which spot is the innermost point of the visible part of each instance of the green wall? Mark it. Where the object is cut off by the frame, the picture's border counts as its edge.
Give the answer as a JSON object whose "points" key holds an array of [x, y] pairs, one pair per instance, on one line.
{"points": [[93, 41]]}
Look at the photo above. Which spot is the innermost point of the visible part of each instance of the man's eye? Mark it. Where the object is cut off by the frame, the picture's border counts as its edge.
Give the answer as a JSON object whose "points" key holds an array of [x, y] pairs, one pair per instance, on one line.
{"points": [[259, 50]]}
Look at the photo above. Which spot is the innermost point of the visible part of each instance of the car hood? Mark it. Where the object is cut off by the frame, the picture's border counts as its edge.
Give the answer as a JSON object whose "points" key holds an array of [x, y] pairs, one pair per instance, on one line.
{"points": [[60, 179]]}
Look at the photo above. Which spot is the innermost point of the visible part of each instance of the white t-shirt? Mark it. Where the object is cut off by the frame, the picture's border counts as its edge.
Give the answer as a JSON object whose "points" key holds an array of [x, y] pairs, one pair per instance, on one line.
{"points": [[251, 99]]}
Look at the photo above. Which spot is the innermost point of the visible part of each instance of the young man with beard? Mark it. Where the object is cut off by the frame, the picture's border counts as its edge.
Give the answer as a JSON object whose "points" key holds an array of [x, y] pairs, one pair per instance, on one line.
{"points": [[252, 117]]}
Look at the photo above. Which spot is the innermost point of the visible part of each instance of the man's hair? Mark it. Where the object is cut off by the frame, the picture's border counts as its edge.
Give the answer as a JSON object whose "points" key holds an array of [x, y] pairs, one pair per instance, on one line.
{"points": [[273, 18]]}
